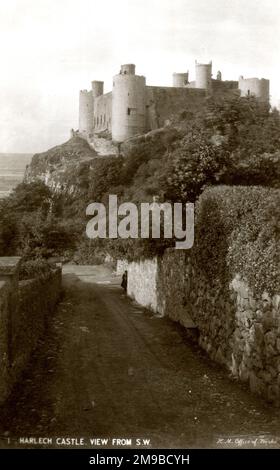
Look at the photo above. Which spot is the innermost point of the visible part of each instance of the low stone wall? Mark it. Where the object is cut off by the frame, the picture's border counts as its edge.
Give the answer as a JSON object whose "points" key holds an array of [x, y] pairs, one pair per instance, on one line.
{"points": [[4, 343], [37, 299], [142, 283], [25, 307], [121, 267], [255, 341], [226, 285], [236, 329]]}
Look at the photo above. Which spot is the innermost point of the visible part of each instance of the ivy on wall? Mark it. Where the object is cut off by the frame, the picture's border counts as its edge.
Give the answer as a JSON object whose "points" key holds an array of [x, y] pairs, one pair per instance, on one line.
{"points": [[237, 232]]}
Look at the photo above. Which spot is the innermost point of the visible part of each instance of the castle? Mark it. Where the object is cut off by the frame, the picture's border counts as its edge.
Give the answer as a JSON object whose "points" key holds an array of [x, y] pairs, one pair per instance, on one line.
{"points": [[134, 108]]}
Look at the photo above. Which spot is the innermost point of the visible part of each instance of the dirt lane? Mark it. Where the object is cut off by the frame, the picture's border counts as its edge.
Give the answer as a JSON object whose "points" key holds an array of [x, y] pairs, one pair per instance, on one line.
{"points": [[108, 368]]}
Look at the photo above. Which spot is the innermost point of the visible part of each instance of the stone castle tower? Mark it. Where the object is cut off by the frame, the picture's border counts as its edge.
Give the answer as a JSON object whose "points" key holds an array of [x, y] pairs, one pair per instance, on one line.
{"points": [[203, 76], [85, 112], [258, 87], [128, 104]]}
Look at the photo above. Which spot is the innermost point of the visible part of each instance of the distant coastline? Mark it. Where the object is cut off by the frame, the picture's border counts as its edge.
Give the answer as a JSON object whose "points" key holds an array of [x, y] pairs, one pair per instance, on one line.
{"points": [[12, 168]]}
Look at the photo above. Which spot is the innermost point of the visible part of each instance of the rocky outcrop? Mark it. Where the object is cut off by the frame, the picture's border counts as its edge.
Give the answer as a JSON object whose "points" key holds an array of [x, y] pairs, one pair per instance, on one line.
{"points": [[67, 168], [64, 167], [103, 145]]}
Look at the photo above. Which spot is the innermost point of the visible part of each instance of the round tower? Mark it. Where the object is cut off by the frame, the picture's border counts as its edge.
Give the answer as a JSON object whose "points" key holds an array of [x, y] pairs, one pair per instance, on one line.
{"points": [[128, 104], [180, 79], [203, 76], [127, 69], [85, 112], [258, 87], [97, 88]]}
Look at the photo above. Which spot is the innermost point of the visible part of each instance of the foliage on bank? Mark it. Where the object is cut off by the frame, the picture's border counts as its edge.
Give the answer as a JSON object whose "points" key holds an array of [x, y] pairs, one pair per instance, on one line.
{"points": [[237, 232]]}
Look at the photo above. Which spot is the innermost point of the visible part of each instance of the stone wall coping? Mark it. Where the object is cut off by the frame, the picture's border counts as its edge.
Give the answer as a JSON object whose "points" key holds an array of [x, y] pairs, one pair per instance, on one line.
{"points": [[34, 280], [9, 265]]}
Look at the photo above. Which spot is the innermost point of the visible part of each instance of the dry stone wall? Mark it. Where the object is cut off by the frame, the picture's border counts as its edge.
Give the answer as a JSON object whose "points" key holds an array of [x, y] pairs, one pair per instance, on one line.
{"points": [[235, 328], [25, 308], [142, 283]]}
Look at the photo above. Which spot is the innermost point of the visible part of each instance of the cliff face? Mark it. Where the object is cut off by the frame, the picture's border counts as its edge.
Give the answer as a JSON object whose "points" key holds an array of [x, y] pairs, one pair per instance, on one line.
{"points": [[68, 168], [63, 168]]}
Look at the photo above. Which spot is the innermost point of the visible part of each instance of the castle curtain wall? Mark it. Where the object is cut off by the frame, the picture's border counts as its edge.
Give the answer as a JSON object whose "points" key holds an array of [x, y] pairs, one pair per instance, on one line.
{"points": [[102, 113], [163, 102]]}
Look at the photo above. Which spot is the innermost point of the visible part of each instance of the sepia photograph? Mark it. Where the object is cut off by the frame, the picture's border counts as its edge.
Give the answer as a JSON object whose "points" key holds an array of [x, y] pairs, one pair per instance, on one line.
{"points": [[139, 228]]}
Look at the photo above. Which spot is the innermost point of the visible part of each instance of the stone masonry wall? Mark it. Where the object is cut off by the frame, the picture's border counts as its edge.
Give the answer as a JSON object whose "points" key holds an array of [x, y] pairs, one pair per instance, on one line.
{"points": [[142, 283], [122, 266], [25, 307], [235, 328], [37, 299], [255, 342], [102, 113], [163, 102], [4, 335]]}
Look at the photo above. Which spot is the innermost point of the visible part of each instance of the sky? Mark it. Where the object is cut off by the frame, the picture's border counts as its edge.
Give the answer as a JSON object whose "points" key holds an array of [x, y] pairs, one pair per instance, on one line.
{"points": [[50, 49]]}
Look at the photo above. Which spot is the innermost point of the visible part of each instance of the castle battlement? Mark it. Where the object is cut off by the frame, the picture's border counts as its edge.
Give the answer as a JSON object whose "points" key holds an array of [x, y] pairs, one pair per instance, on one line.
{"points": [[133, 108]]}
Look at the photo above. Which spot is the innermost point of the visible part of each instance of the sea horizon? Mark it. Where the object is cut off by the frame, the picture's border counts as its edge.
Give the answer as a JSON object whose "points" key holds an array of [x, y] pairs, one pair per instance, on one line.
{"points": [[12, 169]]}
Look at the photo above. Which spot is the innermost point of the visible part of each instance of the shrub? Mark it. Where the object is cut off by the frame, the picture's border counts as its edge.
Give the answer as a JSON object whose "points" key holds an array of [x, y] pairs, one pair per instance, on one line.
{"points": [[237, 231], [34, 268], [28, 197], [89, 252], [255, 170], [104, 175]]}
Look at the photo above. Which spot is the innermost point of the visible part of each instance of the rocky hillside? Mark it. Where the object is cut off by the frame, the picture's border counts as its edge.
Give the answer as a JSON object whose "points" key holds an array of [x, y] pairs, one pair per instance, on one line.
{"points": [[64, 167], [68, 168]]}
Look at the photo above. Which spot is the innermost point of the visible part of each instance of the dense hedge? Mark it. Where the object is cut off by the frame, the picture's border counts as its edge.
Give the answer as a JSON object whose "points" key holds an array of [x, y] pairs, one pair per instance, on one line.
{"points": [[237, 232]]}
